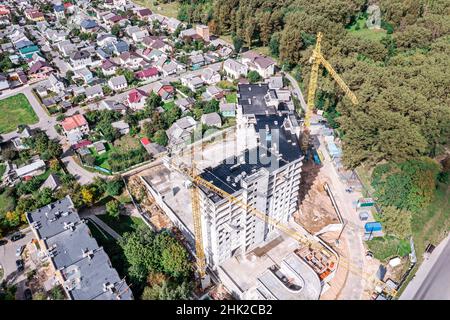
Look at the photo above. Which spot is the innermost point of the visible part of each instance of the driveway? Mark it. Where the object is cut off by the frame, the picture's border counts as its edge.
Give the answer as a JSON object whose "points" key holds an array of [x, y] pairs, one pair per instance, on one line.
{"points": [[8, 258], [296, 89]]}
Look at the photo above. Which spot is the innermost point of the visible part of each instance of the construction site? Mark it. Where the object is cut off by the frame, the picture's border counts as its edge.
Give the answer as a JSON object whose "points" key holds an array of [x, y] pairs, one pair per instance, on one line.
{"points": [[258, 207]]}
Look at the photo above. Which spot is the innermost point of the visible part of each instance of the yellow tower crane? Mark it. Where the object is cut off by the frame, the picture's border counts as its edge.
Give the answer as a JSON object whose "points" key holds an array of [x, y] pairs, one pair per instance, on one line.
{"points": [[198, 181], [317, 59]]}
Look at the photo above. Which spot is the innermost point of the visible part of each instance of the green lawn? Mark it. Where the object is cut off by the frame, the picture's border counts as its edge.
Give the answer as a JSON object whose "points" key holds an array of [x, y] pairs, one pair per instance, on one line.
{"points": [[168, 105], [123, 224], [388, 247], [14, 111], [364, 32], [166, 9], [101, 160], [231, 98]]}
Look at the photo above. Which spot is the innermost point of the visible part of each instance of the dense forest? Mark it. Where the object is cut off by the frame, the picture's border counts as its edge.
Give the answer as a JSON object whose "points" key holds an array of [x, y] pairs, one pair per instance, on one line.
{"points": [[400, 74], [401, 77]]}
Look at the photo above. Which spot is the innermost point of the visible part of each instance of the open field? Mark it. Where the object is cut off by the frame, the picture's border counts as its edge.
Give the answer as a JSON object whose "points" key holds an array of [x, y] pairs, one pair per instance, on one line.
{"points": [[363, 32], [166, 9], [14, 111]]}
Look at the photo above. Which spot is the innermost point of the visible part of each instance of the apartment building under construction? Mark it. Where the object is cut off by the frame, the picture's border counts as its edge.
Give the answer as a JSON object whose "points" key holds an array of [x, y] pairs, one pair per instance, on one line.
{"points": [[264, 174]]}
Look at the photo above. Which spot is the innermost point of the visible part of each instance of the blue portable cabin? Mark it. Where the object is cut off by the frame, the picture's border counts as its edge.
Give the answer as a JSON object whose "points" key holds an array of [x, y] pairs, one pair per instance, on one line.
{"points": [[373, 227]]}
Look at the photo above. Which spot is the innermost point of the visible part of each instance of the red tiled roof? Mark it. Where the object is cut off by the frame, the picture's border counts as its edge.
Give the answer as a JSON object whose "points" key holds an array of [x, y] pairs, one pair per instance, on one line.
{"points": [[73, 122], [135, 95], [81, 144], [67, 5], [144, 12], [145, 141], [147, 73]]}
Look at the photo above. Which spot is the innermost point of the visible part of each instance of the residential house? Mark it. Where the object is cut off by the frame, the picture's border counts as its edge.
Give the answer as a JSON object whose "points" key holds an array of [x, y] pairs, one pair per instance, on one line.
{"points": [[185, 103], [112, 105], [197, 61], [275, 82], [227, 110], [52, 182], [139, 35], [27, 52], [130, 60], [181, 130], [99, 147], [18, 142], [263, 65], [118, 83], [136, 99], [211, 120], [55, 84], [39, 70], [210, 76], [88, 25], [193, 82], [109, 68], [84, 74], [203, 32], [76, 263], [234, 69], [58, 10], [152, 148], [166, 92], [75, 123], [105, 39], [212, 92], [149, 74], [156, 43], [121, 126], [144, 14], [4, 84], [80, 59], [34, 15], [94, 92], [30, 170]]}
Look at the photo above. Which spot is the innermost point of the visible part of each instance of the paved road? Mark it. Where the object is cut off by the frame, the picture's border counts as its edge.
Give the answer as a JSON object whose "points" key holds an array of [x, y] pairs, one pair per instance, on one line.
{"points": [[432, 280], [297, 90]]}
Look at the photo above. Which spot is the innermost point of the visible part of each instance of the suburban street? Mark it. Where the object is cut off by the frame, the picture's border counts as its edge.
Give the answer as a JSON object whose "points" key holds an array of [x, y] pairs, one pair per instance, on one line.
{"points": [[431, 281]]}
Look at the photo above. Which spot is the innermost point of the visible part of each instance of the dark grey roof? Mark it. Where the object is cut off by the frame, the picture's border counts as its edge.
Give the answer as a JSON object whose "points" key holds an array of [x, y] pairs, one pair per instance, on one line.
{"points": [[79, 55], [96, 273], [251, 98], [53, 218], [70, 245], [270, 128]]}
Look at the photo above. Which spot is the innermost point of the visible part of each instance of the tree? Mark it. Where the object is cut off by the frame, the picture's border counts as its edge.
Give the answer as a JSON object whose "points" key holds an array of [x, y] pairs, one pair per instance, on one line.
{"points": [[113, 208], [253, 76], [55, 165], [167, 291], [114, 186], [161, 138], [174, 258], [171, 116], [87, 195], [396, 222], [9, 154], [115, 30], [237, 43], [274, 44]]}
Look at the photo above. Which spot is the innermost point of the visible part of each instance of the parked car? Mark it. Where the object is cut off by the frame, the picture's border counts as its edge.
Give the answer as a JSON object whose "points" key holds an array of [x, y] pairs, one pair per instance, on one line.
{"points": [[27, 294], [19, 264], [19, 251], [3, 242], [17, 236]]}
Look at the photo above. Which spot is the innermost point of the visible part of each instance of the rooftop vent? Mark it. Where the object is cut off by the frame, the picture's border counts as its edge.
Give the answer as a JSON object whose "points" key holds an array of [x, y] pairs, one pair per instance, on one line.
{"points": [[88, 253]]}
